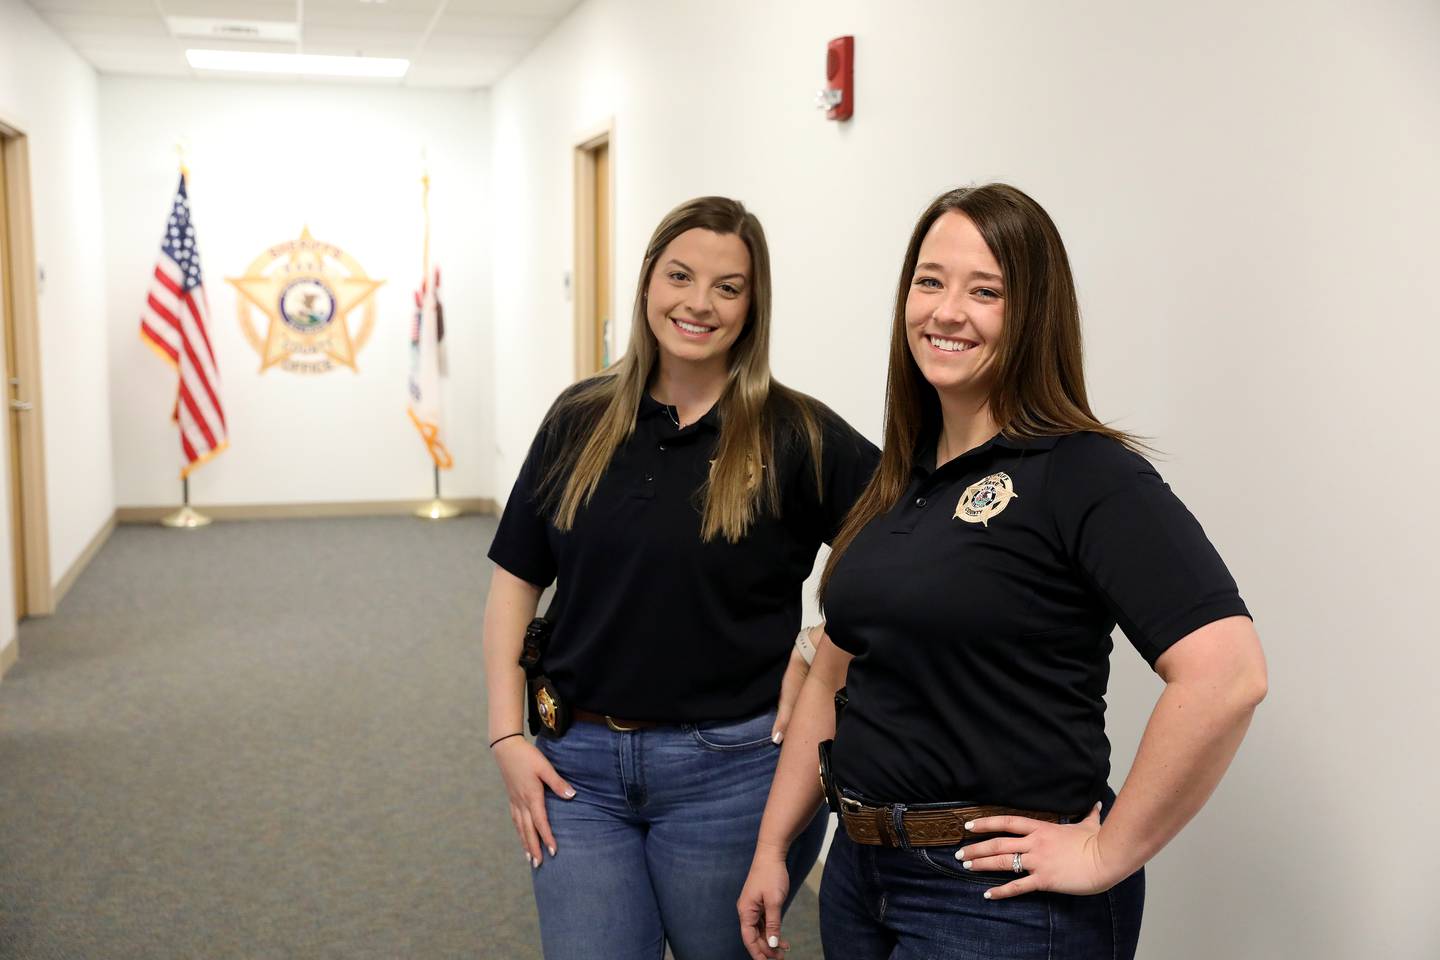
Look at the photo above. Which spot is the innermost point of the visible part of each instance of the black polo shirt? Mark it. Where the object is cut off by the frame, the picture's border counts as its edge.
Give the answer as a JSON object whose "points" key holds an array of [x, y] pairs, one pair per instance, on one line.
{"points": [[652, 623], [980, 609]]}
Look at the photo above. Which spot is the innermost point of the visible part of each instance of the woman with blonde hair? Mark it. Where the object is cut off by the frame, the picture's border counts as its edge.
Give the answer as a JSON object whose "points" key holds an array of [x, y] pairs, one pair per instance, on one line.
{"points": [[970, 597], [679, 499]]}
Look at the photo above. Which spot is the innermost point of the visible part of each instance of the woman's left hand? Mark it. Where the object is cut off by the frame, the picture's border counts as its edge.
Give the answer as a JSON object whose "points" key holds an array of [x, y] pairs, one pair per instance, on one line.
{"points": [[795, 673], [1063, 858]]}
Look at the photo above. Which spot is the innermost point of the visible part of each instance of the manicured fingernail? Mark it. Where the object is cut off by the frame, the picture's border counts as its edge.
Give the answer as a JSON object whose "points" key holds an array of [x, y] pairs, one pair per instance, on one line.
{"points": [[552, 851], [775, 739], [987, 894], [569, 794], [968, 864], [774, 942], [970, 825]]}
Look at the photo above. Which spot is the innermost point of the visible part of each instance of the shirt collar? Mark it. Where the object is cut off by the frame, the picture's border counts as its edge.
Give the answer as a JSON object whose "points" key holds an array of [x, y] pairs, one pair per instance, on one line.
{"points": [[650, 407], [925, 451]]}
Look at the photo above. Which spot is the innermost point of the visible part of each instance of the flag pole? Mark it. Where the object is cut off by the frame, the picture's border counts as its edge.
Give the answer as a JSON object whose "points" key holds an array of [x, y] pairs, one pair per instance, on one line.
{"points": [[436, 509], [186, 518]]}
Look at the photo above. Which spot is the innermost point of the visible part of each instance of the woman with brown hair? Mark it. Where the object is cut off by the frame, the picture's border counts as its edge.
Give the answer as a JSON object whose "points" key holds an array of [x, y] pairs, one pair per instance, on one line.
{"points": [[970, 598], [680, 498]]}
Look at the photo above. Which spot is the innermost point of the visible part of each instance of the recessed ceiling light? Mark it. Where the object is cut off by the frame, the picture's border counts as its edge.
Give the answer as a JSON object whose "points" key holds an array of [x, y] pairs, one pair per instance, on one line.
{"points": [[303, 64]]}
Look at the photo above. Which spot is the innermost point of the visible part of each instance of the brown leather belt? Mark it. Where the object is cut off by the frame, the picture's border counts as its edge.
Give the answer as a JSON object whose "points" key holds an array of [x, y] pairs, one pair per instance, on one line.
{"points": [[615, 723], [875, 826]]}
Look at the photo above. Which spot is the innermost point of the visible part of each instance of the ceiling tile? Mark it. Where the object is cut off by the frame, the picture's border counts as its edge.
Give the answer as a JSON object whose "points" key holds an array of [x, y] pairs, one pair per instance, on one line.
{"points": [[71, 24], [352, 39], [124, 8], [147, 65], [440, 43], [231, 9], [425, 7], [86, 43], [471, 44], [468, 24], [555, 9]]}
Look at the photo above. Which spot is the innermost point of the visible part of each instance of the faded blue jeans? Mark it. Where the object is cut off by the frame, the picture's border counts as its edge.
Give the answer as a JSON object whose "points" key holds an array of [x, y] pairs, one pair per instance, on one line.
{"points": [[658, 840], [885, 903]]}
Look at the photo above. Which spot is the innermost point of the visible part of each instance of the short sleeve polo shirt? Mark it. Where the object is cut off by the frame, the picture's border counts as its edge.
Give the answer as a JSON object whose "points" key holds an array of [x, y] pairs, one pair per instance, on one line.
{"points": [[651, 622], [980, 608]]}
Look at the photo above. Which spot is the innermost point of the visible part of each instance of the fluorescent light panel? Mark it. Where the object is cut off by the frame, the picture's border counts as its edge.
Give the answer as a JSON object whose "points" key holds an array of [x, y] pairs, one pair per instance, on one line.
{"points": [[304, 64]]}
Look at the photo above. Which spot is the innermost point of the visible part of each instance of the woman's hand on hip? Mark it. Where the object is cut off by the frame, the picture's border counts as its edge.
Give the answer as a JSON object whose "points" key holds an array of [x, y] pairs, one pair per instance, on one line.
{"points": [[761, 901], [795, 673], [1062, 858], [527, 773]]}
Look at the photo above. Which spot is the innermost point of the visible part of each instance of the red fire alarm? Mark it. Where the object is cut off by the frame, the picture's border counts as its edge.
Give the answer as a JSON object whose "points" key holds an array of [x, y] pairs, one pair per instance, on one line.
{"points": [[838, 97]]}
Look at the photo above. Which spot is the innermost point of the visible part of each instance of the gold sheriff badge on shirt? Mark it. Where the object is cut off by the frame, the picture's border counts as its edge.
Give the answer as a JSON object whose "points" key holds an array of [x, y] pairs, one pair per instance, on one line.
{"points": [[306, 292], [986, 499]]}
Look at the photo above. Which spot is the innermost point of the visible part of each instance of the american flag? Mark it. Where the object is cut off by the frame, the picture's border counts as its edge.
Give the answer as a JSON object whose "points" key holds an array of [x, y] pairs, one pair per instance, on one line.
{"points": [[173, 323]]}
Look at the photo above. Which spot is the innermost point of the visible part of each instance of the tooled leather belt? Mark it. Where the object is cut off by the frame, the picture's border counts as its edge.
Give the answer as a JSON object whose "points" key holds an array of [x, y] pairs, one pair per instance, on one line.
{"points": [[875, 826]]}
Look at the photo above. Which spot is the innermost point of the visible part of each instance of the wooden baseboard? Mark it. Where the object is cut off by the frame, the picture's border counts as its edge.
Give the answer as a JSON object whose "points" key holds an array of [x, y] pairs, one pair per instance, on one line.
{"points": [[9, 654], [484, 506], [82, 561]]}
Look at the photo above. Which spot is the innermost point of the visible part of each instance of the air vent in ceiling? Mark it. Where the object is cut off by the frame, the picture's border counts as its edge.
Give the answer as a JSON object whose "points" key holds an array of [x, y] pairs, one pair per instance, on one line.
{"points": [[259, 31]]}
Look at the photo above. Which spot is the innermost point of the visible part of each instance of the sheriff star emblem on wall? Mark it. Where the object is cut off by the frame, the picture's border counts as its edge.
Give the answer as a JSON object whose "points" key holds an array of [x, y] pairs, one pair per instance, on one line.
{"points": [[306, 290]]}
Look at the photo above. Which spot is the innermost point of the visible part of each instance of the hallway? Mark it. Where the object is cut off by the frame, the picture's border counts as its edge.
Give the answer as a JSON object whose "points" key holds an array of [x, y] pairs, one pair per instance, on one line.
{"points": [[264, 740]]}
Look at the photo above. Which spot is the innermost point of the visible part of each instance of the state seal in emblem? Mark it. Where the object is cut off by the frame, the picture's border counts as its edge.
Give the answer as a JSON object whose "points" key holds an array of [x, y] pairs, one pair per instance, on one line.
{"points": [[548, 709], [306, 292], [985, 499]]}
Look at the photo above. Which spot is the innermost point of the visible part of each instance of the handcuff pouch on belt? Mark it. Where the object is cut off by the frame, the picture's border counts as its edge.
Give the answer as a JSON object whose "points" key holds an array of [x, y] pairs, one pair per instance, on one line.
{"points": [[548, 715]]}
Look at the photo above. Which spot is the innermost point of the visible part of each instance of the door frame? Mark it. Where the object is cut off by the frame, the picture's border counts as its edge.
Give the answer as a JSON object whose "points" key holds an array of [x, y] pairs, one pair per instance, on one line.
{"points": [[19, 244], [583, 287]]}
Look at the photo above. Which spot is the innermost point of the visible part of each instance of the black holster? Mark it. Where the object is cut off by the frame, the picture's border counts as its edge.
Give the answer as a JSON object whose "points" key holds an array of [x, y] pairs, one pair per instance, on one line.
{"points": [[827, 778]]}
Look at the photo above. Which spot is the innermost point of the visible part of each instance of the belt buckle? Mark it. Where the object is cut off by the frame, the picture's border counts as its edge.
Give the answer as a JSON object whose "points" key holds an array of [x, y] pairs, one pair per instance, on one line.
{"points": [[618, 728]]}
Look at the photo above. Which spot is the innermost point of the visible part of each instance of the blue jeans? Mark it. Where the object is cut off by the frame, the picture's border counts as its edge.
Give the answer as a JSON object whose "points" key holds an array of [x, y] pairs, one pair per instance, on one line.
{"points": [[885, 903], [658, 840]]}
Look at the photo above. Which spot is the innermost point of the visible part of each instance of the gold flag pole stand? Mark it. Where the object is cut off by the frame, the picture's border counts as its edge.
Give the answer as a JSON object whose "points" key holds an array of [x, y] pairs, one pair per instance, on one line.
{"points": [[436, 509], [186, 518]]}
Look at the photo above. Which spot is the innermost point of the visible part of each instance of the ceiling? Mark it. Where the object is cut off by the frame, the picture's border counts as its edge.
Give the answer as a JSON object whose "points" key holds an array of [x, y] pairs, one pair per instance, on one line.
{"points": [[450, 43]]}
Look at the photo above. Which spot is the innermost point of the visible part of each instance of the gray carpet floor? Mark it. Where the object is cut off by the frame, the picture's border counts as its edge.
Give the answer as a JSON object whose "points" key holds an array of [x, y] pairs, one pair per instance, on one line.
{"points": [[265, 740]]}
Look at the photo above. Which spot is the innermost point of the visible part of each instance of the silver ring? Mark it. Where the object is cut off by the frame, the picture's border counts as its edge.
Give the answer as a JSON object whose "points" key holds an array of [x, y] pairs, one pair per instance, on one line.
{"points": [[1015, 864]]}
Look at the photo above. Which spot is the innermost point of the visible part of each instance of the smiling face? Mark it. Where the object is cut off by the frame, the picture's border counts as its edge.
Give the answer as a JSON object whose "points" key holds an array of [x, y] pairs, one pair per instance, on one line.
{"points": [[698, 296], [955, 309]]}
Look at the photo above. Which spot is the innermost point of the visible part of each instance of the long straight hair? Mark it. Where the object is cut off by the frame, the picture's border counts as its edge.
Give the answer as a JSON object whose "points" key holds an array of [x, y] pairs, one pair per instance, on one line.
{"points": [[599, 415], [1038, 387]]}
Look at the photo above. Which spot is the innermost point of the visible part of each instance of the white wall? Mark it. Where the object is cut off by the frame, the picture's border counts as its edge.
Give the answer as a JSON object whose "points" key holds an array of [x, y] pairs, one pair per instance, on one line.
{"points": [[1248, 194], [267, 159], [48, 92]]}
